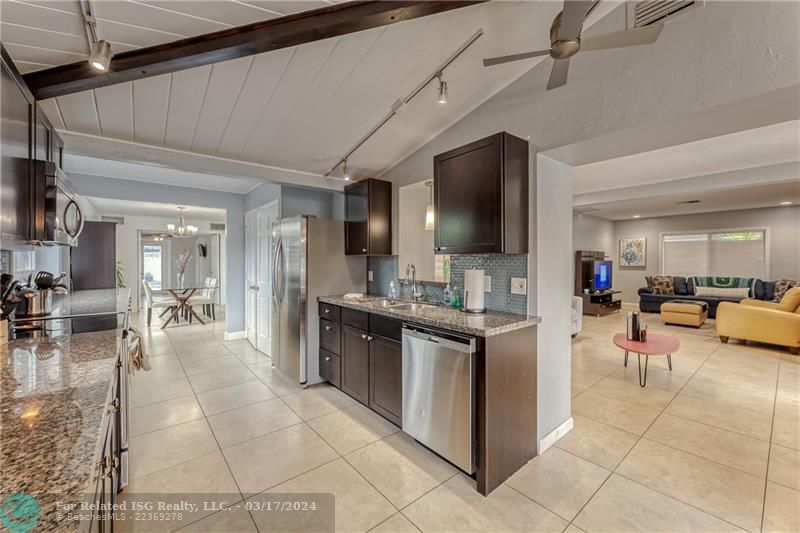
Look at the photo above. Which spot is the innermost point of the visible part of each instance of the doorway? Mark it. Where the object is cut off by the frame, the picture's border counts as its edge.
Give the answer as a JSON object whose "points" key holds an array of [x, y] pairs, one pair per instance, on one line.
{"points": [[258, 267]]}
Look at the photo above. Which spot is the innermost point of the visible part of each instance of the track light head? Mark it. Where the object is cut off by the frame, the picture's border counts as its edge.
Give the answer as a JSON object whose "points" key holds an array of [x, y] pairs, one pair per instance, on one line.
{"points": [[442, 89], [100, 56]]}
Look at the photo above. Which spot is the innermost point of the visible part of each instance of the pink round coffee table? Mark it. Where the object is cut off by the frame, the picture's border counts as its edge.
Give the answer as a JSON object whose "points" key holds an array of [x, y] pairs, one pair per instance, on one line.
{"points": [[655, 344]]}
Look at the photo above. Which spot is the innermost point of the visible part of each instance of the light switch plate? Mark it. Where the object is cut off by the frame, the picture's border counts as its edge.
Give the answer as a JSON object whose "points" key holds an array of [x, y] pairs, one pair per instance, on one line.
{"points": [[519, 286], [369, 275], [487, 283]]}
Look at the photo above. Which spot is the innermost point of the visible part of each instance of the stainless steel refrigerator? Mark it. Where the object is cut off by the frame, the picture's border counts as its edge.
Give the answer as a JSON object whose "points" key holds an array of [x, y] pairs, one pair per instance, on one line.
{"points": [[308, 262]]}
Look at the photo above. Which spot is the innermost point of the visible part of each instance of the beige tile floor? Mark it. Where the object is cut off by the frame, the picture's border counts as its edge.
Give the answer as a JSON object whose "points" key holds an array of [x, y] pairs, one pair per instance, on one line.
{"points": [[713, 445]]}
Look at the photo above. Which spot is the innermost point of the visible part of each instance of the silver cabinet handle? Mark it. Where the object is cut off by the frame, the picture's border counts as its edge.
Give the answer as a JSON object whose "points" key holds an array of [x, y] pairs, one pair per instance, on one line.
{"points": [[369, 338], [327, 328], [363, 335], [327, 358], [363, 250], [327, 310]]}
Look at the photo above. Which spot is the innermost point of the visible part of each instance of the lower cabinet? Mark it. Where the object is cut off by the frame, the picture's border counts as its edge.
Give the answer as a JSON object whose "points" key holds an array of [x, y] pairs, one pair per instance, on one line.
{"points": [[386, 378], [355, 363], [369, 365]]}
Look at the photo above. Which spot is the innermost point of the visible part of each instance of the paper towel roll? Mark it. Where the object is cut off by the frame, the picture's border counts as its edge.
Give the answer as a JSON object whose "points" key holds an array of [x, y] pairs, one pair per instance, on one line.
{"points": [[473, 291]]}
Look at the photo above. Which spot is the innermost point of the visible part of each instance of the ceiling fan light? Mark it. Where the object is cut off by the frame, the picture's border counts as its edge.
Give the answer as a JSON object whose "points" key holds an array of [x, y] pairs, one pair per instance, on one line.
{"points": [[100, 56]]}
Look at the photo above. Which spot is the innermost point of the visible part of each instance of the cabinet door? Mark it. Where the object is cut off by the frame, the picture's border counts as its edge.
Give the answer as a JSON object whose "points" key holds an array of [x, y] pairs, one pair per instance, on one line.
{"points": [[356, 213], [386, 378], [468, 198], [330, 368], [379, 239], [355, 363]]}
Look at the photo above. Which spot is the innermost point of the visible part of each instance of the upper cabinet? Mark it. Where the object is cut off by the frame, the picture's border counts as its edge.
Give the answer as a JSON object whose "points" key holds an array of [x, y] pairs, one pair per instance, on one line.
{"points": [[368, 210], [481, 197]]}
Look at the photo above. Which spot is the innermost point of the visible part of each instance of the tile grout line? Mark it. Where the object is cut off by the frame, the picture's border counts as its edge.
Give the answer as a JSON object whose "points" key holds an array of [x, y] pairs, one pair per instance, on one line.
{"points": [[769, 449]]}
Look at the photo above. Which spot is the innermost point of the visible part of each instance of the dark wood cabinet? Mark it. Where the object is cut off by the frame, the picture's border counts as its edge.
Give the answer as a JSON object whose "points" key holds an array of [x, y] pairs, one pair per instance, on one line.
{"points": [[481, 197], [93, 261], [368, 214], [386, 378], [355, 363], [362, 354]]}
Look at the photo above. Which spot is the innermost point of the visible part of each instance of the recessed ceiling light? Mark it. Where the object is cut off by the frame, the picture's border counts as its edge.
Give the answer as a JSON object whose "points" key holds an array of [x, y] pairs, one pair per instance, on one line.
{"points": [[637, 216], [786, 203]]}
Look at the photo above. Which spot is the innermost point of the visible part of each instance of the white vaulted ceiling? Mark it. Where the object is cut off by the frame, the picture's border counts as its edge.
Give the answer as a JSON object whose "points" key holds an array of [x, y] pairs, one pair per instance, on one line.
{"points": [[300, 108]]}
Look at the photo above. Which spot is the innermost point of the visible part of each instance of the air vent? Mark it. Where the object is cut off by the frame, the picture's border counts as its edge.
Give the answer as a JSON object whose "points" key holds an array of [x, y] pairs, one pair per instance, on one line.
{"points": [[115, 220], [687, 202], [649, 12], [217, 226]]}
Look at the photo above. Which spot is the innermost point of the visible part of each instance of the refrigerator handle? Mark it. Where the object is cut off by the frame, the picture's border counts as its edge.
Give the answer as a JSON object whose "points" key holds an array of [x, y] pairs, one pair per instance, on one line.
{"points": [[275, 270], [279, 273]]}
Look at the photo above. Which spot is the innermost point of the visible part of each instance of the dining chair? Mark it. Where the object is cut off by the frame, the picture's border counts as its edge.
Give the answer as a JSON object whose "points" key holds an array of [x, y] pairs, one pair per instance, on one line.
{"points": [[155, 303]]}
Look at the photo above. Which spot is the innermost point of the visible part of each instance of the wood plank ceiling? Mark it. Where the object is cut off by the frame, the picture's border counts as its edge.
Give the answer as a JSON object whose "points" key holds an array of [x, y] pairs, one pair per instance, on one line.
{"points": [[299, 108]]}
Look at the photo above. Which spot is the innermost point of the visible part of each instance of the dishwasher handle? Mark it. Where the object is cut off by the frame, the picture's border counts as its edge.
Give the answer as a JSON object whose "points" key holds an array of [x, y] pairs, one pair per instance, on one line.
{"points": [[444, 339]]}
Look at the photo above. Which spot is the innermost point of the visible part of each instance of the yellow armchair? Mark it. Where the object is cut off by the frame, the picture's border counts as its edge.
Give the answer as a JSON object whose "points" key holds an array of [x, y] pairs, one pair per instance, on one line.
{"points": [[769, 322]]}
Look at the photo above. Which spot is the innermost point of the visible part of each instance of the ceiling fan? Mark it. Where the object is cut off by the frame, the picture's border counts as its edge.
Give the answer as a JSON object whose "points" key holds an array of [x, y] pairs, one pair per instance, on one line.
{"points": [[565, 40]]}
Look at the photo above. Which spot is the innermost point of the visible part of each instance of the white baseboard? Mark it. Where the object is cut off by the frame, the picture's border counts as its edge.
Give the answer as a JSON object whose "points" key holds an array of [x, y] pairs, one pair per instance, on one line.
{"points": [[234, 335], [553, 437]]}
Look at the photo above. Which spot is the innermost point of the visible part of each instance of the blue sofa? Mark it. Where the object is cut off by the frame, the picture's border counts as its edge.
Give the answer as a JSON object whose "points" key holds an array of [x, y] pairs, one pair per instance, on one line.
{"points": [[684, 290]]}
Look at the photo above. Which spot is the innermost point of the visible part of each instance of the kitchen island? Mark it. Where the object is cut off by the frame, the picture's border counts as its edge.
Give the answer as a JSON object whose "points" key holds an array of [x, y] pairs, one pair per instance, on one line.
{"points": [[63, 403], [363, 347]]}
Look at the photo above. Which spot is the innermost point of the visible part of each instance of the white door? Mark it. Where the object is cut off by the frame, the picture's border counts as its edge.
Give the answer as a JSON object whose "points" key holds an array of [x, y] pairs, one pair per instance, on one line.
{"points": [[250, 259], [266, 216]]}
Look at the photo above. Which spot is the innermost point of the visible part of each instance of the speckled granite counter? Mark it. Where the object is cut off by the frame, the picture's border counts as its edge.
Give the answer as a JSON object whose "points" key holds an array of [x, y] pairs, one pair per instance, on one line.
{"points": [[53, 394], [483, 325]]}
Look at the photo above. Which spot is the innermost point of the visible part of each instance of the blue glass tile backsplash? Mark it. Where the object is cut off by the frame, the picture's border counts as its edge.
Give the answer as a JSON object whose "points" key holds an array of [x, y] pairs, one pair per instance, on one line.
{"points": [[500, 267]]}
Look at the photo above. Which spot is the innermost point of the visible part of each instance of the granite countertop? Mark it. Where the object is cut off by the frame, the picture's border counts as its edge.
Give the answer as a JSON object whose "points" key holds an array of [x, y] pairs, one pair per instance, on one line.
{"points": [[483, 325], [53, 394]]}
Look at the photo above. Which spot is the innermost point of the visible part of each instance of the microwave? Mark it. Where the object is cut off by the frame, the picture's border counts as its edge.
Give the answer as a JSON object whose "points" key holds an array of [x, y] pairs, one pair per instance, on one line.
{"points": [[57, 217]]}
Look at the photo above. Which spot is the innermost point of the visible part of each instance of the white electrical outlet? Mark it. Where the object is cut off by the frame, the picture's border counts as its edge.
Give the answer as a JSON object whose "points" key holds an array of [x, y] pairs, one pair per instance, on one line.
{"points": [[369, 275], [487, 283], [519, 286]]}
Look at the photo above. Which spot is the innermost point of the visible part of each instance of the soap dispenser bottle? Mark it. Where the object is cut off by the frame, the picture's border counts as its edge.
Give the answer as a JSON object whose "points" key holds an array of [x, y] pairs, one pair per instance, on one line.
{"points": [[455, 302], [446, 295]]}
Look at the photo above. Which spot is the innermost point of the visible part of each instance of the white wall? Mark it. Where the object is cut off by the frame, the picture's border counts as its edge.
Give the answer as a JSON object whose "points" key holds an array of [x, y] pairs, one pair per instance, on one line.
{"points": [[592, 233], [553, 290], [781, 223]]}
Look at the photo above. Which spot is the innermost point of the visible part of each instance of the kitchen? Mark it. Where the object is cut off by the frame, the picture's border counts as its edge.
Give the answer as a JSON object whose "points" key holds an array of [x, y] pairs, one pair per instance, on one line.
{"points": [[457, 375]]}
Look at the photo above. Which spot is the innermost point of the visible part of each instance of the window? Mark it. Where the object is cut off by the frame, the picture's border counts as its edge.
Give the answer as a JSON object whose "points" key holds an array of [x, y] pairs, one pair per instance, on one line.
{"points": [[151, 259], [724, 253]]}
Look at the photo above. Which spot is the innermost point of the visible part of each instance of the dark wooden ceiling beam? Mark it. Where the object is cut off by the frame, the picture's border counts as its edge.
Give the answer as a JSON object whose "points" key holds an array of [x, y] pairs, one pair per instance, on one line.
{"points": [[274, 34]]}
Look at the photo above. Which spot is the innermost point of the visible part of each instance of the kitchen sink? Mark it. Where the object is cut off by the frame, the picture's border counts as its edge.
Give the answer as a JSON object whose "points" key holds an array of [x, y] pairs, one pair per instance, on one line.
{"points": [[385, 303], [412, 307]]}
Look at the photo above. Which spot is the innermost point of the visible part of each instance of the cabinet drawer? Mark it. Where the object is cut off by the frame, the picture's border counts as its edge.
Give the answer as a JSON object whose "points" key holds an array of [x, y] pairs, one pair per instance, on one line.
{"points": [[330, 367], [329, 336], [357, 319], [329, 312], [386, 327]]}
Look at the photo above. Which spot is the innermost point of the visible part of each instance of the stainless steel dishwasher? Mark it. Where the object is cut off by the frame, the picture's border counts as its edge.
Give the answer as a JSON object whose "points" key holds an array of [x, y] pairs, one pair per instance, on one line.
{"points": [[438, 393]]}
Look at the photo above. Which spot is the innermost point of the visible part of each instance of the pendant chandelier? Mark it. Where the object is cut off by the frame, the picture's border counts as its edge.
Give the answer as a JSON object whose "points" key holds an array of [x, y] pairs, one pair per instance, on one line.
{"points": [[182, 229]]}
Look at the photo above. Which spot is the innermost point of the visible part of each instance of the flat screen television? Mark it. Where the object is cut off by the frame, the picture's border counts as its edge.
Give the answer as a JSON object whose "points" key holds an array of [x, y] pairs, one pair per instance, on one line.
{"points": [[602, 275]]}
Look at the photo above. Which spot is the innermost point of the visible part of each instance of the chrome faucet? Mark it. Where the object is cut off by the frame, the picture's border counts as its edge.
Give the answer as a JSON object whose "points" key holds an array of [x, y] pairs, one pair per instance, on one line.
{"points": [[416, 293]]}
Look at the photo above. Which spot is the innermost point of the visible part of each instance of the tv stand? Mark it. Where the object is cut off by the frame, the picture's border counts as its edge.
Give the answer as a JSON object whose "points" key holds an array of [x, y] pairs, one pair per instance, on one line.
{"points": [[601, 303]]}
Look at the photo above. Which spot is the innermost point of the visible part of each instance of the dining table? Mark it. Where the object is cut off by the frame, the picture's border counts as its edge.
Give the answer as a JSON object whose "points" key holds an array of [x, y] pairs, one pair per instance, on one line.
{"points": [[182, 296]]}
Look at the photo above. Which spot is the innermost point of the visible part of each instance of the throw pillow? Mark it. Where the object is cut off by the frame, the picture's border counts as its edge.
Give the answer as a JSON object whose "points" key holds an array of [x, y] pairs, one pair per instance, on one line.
{"points": [[679, 283], [782, 287], [791, 300], [649, 281], [722, 292], [763, 290], [662, 284]]}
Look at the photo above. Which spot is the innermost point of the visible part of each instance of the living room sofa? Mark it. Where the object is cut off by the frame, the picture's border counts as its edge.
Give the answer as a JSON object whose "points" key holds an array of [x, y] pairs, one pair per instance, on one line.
{"points": [[757, 320], [684, 290]]}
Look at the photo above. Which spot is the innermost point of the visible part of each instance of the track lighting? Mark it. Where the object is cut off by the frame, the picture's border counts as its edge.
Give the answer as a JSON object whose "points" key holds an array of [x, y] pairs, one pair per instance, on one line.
{"points": [[442, 89], [100, 57], [345, 174]]}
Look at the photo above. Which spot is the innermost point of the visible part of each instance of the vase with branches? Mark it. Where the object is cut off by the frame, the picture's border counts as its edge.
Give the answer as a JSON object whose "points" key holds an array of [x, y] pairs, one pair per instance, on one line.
{"points": [[181, 262]]}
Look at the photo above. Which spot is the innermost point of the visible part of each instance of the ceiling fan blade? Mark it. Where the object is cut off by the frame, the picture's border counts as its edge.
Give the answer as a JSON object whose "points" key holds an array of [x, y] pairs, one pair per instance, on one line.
{"points": [[558, 75], [619, 39], [572, 17], [514, 57]]}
